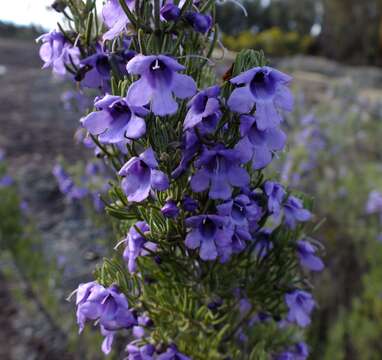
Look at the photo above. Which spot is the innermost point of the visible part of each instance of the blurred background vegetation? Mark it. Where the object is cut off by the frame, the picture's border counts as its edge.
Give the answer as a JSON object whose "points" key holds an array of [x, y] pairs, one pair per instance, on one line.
{"points": [[344, 30], [332, 48]]}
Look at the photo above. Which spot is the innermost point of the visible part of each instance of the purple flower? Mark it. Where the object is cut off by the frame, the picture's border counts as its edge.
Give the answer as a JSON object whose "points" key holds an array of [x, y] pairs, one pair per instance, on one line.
{"points": [[136, 244], [95, 71], [56, 52], [200, 22], [275, 193], [172, 353], [6, 181], [170, 209], [267, 88], [109, 306], [146, 352], [141, 175], [259, 145], [294, 211], [263, 243], [374, 202], [299, 352], [219, 169], [115, 120], [170, 12], [203, 106], [243, 215], [115, 18], [189, 204], [307, 258], [158, 83], [211, 234], [300, 304]]}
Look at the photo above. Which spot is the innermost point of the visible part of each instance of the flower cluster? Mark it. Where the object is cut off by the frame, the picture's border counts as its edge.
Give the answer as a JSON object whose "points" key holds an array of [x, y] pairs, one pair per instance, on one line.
{"points": [[204, 229]]}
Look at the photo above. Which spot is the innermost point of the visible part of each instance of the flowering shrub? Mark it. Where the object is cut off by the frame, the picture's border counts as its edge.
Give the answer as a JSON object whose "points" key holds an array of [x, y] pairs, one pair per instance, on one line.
{"points": [[208, 267]]}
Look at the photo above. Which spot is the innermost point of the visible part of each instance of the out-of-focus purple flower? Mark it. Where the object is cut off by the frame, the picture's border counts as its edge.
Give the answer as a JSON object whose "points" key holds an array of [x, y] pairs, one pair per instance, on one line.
{"points": [[2, 154], [263, 243], [56, 52], [294, 212], [300, 304], [203, 107], [170, 209], [189, 204], [6, 181], [158, 84], [170, 12], [200, 22], [268, 89], [306, 253], [146, 352], [374, 202], [219, 169], [115, 18], [275, 193], [259, 145], [298, 352], [172, 353], [136, 244], [211, 234], [109, 306], [141, 175], [115, 120]]}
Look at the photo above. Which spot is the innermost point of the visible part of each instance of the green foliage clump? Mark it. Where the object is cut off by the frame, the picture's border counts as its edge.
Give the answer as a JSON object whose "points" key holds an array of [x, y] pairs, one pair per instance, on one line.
{"points": [[273, 41]]}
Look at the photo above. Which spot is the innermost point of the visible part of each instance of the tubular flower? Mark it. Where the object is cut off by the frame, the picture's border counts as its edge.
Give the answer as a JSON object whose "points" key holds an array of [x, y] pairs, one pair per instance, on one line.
{"points": [[211, 234], [219, 169], [203, 106], [300, 304], [136, 244], [158, 84], [115, 120], [306, 253], [265, 87], [115, 18], [259, 145], [141, 174], [56, 52]]}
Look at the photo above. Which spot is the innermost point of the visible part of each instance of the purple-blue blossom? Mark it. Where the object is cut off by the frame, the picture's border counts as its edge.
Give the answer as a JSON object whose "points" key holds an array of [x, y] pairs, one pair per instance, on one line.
{"points": [[158, 84], [170, 12], [218, 169], [200, 22], [145, 352], [294, 212], [265, 87], [276, 194], [170, 209], [300, 304], [141, 175], [204, 106], [137, 245], [115, 18], [306, 253], [56, 52], [211, 234], [115, 120], [259, 145]]}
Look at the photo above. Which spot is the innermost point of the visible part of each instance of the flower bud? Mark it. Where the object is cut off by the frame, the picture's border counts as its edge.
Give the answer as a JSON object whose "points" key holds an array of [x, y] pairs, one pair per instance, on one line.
{"points": [[170, 210], [200, 22], [170, 12]]}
